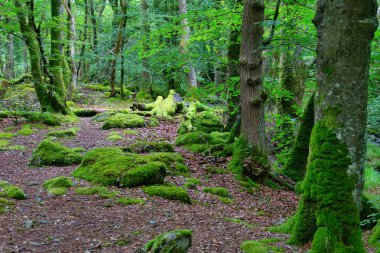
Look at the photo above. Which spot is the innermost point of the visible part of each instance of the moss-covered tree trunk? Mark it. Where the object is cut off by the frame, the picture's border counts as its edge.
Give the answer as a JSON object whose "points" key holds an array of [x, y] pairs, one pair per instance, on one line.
{"points": [[328, 214], [252, 92], [56, 66]]}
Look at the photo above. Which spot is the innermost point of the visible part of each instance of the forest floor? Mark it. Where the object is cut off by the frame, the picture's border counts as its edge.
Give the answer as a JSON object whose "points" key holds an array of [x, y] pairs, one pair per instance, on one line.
{"points": [[77, 223]]}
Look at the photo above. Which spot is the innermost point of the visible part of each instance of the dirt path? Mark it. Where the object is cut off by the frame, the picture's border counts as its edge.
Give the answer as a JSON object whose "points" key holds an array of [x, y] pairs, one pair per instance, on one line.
{"points": [[75, 223]]}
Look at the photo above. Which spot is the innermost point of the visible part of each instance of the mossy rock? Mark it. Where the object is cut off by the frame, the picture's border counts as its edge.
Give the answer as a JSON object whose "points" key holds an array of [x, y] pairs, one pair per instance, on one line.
{"points": [[112, 166], [85, 112], [168, 191], [64, 133], [58, 185], [150, 146], [165, 107], [218, 191], [121, 120], [175, 163], [176, 241], [207, 122], [53, 153]]}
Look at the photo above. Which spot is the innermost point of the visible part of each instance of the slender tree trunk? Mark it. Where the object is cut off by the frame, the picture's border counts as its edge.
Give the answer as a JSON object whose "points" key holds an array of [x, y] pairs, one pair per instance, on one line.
{"points": [[191, 75], [71, 51], [119, 41], [9, 67], [145, 73], [329, 209], [253, 95], [84, 39], [94, 28]]}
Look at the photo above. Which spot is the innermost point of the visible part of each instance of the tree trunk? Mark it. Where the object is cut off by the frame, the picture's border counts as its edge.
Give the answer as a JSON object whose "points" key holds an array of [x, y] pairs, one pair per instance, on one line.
{"points": [[84, 39], [94, 28], [191, 75], [329, 209], [56, 59], [145, 74], [253, 95], [119, 40], [9, 67]]}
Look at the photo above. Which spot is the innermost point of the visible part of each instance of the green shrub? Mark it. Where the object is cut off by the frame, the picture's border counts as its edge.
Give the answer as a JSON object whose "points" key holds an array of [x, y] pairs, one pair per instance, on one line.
{"points": [[168, 192], [53, 153]]}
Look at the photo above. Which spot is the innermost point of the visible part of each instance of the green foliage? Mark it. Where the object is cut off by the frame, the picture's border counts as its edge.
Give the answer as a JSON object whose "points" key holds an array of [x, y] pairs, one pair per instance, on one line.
{"points": [[53, 153], [218, 191], [130, 201], [58, 185], [168, 192], [64, 133], [176, 241]]}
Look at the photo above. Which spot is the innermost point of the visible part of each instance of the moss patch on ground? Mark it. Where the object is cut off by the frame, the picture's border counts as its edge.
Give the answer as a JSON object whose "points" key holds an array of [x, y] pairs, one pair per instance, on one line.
{"points": [[4, 135], [177, 241], [58, 186], [218, 191], [130, 201], [53, 153], [101, 191], [11, 191], [150, 146], [259, 247], [121, 120], [64, 133], [168, 191], [114, 136], [192, 183]]}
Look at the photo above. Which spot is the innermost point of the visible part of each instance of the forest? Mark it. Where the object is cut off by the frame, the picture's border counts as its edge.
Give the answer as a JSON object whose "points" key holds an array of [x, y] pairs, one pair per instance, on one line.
{"points": [[194, 126]]}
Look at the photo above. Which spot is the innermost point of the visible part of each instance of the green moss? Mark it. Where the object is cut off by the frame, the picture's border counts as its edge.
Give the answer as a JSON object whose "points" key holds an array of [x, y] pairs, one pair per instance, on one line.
{"points": [[114, 136], [375, 237], [191, 183], [215, 170], [207, 122], [218, 191], [13, 147], [112, 166], [98, 87], [165, 107], [225, 200], [45, 118], [295, 168], [64, 133], [259, 247], [130, 201], [176, 241], [150, 146], [121, 120], [102, 191], [53, 153], [5, 205], [175, 163], [6, 135], [153, 122], [168, 192], [14, 192], [58, 186], [327, 195], [143, 96], [238, 221], [80, 112], [26, 130], [130, 132], [286, 227], [4, 143]]}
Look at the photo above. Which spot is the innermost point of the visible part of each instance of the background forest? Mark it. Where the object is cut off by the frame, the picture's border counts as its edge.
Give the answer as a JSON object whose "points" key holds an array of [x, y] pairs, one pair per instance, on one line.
{"points": [[175, 63]]}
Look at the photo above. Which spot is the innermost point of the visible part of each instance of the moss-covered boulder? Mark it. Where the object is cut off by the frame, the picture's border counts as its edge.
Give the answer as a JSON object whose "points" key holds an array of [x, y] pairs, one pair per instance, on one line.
{"points": [[53, 153], [112, 166], [177, 241], [175, 163], [121, 120], [164, 107], [168, 191], [58, 185], [82, 112], [150, 146], [64, 133]]}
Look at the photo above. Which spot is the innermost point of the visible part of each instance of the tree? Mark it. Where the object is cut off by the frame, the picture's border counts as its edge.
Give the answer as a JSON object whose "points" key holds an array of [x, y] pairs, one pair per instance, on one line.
{"points": [[253, 95], [191, 76], [328, 213], [145, 75]]}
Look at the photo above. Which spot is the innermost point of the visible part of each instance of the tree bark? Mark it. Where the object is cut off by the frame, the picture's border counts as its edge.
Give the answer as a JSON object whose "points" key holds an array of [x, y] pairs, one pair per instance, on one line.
{"points": [[253, 95], [9, 67], [145, 73], [119, 41], [329, 209], [191, 75], [84, 39]]}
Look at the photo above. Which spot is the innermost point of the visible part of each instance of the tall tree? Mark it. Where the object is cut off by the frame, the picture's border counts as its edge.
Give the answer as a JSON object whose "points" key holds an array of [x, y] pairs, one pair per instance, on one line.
{"points": [[191, 75], [328, 213], [253, 95], [145, 74]]}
